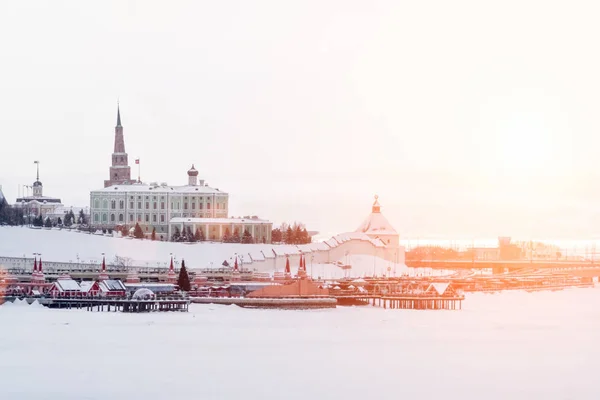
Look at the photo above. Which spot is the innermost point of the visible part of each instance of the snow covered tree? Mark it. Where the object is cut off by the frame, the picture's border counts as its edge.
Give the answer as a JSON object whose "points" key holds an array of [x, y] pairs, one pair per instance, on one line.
{"points": [[153, 237], [199, 235], [184, 279], [48, 223], [137, 232], [246, 237]]}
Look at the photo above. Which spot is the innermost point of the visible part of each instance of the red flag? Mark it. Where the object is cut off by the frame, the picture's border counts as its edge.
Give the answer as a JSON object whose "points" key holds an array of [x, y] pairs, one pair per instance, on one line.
{"points": [[137, 160]]}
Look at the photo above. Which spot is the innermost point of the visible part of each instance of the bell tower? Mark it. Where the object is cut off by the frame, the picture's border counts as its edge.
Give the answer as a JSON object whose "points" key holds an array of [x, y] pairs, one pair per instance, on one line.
{"points": [[119, 172]]}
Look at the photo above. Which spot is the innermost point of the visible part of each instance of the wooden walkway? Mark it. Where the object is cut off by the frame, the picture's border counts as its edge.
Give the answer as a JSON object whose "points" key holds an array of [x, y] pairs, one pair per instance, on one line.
{"points": [[281, 302], [110, 305]]}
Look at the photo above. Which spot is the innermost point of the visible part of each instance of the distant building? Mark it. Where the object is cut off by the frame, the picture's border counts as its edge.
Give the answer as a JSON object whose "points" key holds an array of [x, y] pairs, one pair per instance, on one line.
{"points": [[216, 228], [38, 204], [165, 208], [119, 171], [376, 226], [153, 205]]}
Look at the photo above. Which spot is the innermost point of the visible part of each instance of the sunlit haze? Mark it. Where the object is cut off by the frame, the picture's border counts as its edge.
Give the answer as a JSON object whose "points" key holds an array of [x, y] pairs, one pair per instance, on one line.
{"points": [[467, 118]]}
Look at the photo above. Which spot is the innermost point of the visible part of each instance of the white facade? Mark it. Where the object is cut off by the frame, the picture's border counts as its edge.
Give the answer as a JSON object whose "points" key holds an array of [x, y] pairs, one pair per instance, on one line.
{"points": [[153, 206]]}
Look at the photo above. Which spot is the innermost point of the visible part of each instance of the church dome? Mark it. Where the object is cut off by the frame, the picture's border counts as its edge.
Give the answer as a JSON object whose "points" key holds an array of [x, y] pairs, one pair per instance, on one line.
{"points": [[37, 183], [193, 171]]}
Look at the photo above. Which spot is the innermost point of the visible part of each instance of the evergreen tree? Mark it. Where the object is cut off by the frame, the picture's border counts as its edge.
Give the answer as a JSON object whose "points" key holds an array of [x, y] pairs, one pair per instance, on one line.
{"points": [[68, 221], [81, 220], [306, 237], [59, 221], [184, 279], [236, 236], [289, 236], [297, 235], [38, 221], [227, 236], [247, 237], [137, 232], [198, 235], [71, 217], [276, 235], [176, 235], [153, 237], [190, 236], [48, 223]]}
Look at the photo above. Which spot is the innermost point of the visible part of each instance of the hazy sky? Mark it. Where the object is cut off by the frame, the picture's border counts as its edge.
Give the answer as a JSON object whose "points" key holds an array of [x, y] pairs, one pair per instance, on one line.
{"points": [[468, 118]]}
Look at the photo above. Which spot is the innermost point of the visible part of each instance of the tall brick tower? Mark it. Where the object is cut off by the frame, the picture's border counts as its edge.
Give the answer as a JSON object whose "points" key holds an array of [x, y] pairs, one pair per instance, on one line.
{"points": [[120, 172]]}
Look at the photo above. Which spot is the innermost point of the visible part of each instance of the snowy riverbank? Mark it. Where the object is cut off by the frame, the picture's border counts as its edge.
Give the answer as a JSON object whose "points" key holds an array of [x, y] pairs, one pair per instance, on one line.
{"points": [[511, 345]]}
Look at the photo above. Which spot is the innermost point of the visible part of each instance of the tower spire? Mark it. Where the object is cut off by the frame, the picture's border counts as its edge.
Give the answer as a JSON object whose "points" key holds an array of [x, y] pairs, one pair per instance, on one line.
{"points": [[118, 115]]}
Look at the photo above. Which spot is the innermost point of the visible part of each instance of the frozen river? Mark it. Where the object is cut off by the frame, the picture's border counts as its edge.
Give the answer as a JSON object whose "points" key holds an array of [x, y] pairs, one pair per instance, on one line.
{"points": [[504, 346]]}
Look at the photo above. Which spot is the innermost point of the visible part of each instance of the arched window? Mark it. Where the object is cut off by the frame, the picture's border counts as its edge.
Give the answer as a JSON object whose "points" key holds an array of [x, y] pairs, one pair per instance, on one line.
{"points": [[112, 217], [105, 204], [121, 204], [120, 217], [113, 204], [96, 203], [96, 218], [104, 217]]}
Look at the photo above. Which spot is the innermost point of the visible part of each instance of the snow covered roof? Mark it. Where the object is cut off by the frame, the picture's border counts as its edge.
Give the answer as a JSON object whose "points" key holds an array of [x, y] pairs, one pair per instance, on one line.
{"points": [[86, 286], [142, 187], [67, 285], [439, 287], [376, 223], [2, 198], [180, 220], [109, 285], [39, 199]]}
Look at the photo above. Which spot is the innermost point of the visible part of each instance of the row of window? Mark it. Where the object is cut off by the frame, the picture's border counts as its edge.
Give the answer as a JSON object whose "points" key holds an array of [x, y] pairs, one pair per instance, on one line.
{"points": [[121, 218], [175, 205]]}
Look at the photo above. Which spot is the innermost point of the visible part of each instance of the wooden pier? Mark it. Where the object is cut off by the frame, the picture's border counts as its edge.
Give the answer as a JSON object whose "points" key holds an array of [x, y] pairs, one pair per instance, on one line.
{"points": [[282, 302], [110, 305], [404, 302]]}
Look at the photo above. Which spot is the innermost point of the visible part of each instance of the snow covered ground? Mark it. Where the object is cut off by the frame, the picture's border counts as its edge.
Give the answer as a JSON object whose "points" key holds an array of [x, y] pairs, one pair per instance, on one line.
{"points": [[69, 246], [517, 345]]}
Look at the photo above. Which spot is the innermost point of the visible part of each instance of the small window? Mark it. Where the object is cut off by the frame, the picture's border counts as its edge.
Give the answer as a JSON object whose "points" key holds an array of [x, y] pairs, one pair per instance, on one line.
{"points": [[147, 218], [130, 217], [120, 217], [131, 204], [154, 218], [162, 218]]}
